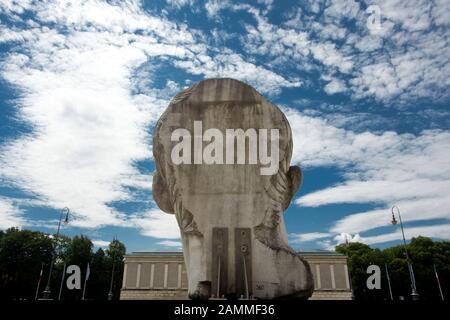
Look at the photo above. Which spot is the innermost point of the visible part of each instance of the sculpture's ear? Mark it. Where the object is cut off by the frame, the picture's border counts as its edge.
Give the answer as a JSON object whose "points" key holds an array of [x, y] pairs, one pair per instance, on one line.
{"points": [[161, 194], [295, 177]]}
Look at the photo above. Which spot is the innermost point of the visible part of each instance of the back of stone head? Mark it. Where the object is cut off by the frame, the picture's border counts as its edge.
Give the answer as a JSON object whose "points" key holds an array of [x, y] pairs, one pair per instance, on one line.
{"points": [[218, 136]]}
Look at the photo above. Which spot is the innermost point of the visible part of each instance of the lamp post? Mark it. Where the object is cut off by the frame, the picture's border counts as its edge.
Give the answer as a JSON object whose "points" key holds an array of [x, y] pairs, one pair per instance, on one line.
{"points": [[47, 292], [414, 293]]}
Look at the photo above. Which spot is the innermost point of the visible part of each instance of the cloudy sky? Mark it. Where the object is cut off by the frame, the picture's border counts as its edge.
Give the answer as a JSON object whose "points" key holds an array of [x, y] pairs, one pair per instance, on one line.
{"points": [[365, 86]]}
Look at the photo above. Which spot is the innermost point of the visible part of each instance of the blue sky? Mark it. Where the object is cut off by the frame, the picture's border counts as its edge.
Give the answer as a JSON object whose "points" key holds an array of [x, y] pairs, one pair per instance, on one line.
{"points": [[364, 85]]}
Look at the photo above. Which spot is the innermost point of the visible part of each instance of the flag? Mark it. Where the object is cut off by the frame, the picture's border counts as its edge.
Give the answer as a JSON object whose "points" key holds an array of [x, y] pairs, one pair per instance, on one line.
{"points": [[39, 281], [438, 282], [88, 272], [62, 281], [42, 271]]}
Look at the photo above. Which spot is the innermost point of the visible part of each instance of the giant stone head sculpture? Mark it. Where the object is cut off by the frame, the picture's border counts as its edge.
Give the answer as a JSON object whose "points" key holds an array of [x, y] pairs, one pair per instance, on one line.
{"points": [[222, 154]]}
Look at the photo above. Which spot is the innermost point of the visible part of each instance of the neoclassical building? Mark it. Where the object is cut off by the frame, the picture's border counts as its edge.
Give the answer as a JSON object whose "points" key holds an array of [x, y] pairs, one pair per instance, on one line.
{"points": [[162, 275]]}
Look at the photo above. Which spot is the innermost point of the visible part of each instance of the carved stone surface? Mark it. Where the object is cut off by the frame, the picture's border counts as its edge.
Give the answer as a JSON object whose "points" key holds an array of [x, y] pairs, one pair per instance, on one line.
{"points": [[235, 196]]}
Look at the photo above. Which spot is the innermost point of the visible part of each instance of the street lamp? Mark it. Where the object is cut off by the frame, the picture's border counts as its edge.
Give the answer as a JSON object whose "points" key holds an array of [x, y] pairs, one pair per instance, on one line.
{"points": [[414, 293], [47, 293]]}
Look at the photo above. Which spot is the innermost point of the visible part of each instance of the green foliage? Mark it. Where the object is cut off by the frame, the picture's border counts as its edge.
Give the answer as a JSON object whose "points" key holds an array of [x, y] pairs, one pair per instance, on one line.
{"points": [[23, 252], [99, 279], [116, 252], [423, 252], [79, 251]]}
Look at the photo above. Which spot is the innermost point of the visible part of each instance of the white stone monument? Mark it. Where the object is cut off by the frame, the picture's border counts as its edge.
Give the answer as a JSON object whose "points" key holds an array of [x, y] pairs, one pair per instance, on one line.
{"points": [[222, 154]]}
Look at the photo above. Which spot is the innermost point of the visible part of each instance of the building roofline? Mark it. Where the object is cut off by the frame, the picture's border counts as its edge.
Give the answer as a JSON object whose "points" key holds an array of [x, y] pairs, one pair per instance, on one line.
{"points": [[180, 253]]}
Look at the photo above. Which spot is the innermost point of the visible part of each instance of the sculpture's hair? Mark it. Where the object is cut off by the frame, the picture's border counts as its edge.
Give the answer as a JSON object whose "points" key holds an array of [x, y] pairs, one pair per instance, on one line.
{"points": [[164, 176], [279, 190]]}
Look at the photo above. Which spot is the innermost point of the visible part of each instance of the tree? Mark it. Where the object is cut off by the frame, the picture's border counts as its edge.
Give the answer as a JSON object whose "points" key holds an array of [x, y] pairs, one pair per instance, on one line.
{"points": [[99, 280], [79, 252], [22, 253], [423, 252], [361, 256], [116, 252]]}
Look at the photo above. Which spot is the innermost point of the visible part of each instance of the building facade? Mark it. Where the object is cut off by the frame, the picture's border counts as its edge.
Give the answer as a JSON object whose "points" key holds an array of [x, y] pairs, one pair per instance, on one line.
{"points": [[162, 275]]}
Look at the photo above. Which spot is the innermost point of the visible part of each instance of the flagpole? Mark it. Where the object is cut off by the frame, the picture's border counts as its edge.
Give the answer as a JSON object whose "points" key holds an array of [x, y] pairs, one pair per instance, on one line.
{"points": [[62, 281], [88, 272], [348, 274], [438, 282], [84, 288], [47, 292], [110, 294], [39, 282], [389, 282]]}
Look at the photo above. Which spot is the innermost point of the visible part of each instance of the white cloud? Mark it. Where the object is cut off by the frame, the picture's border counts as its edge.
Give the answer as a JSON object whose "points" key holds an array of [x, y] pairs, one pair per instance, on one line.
{"points": [[75, 88], [342, 9], [10, 216], [213, 7], [88, 129], [271, 40], [406, 59], [318, 143], [335, 86], [326, 245], [328, 54], [378, 191], [298, 238], [368, 43], [439, 12], [157, 224], [412, 15], [325, 239], [437, 231], [232, 65], [411, 171], [378, 79], [441, 232], [347, 238], [77, 84], [180, 3], [170, 243], [14, 6], [414, 210], [332, 241], [101, 243], [413, 58], [329, 31]]}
